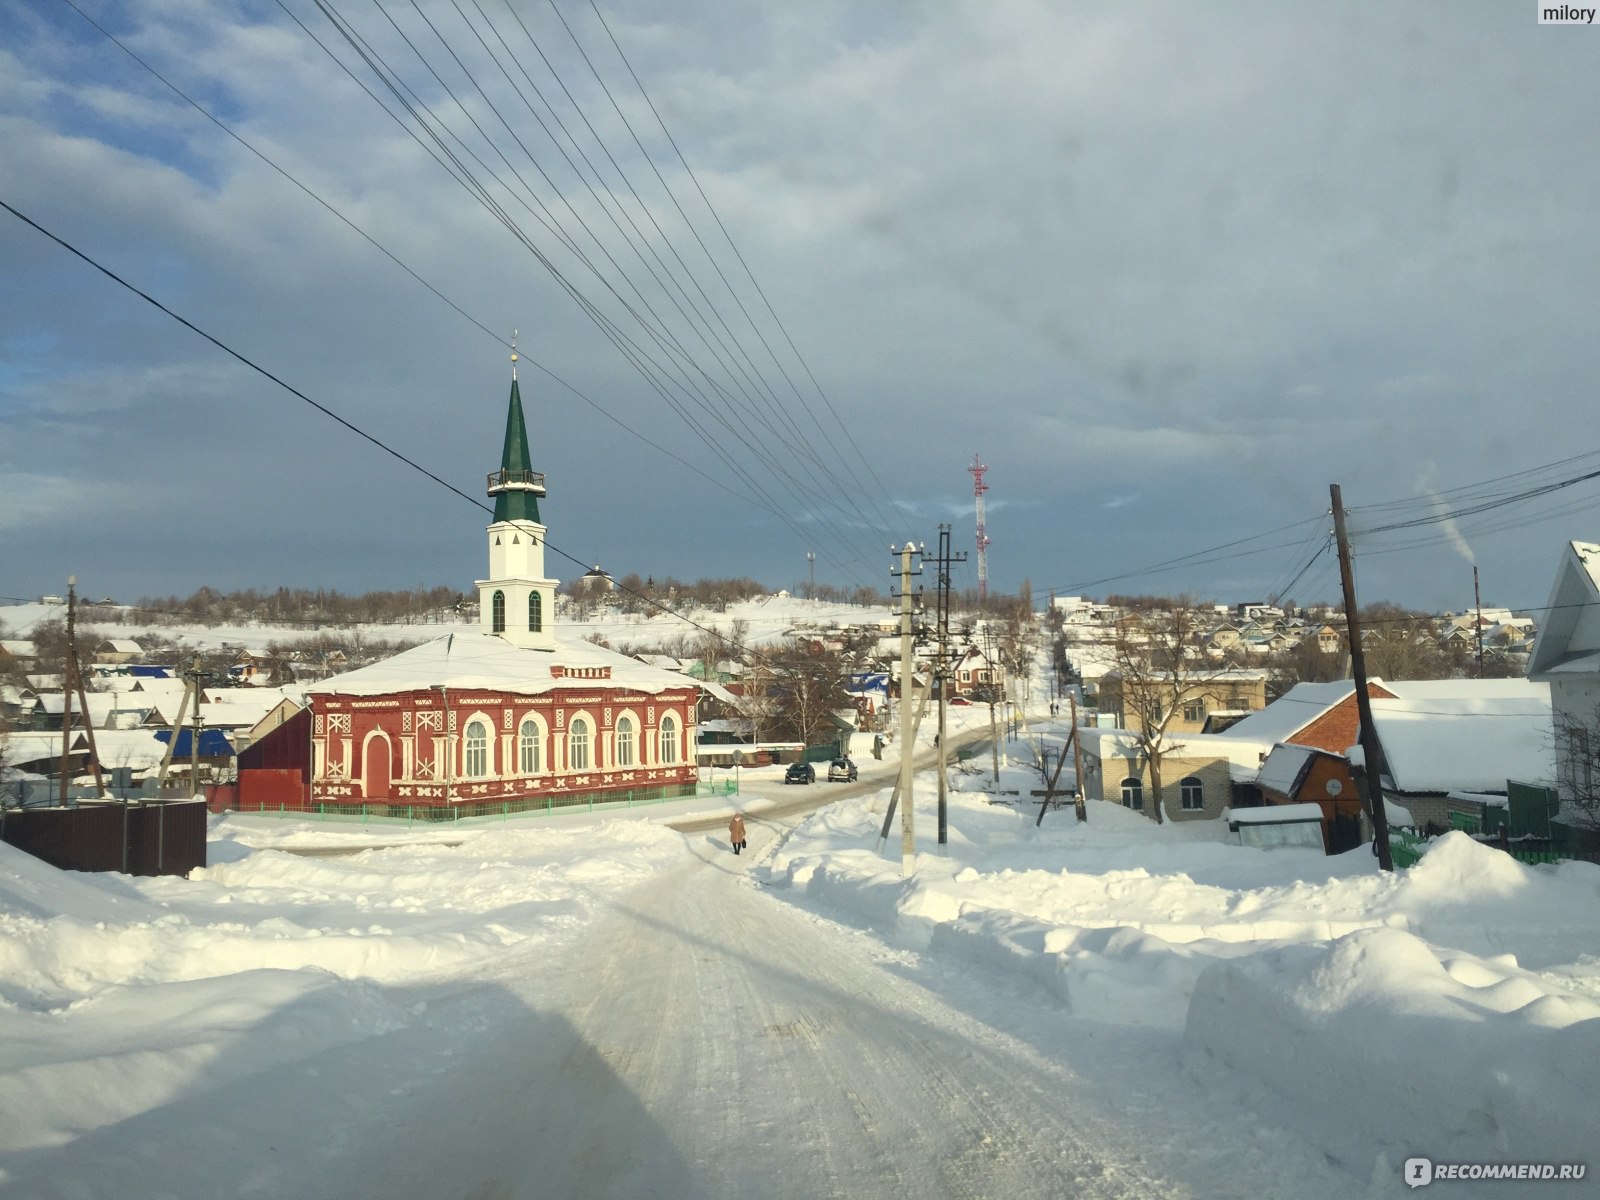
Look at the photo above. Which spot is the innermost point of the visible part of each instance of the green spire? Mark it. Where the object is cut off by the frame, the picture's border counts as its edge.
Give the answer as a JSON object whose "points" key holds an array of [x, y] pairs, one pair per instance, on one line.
{"points": [[516, 490]]}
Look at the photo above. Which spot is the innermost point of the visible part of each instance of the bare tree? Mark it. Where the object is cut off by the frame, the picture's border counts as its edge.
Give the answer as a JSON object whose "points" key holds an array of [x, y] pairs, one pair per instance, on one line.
{"points": [[794, 691], [1304, 662], [1577, 747], [1159, 665], [1400, 644]]}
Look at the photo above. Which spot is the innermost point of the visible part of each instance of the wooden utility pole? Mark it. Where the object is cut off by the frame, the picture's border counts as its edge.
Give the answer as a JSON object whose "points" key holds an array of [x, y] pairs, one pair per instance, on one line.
{"points": [[1372, 776], [1049, 791], [72, 683], [1477, 618], [194, 735], [1077, 756], [942, 672], [908, 843], [894, 793], [172, 740]]}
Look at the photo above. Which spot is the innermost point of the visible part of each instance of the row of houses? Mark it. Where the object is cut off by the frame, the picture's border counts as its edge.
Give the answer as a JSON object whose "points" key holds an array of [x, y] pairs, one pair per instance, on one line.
{"points": [[1447, 744], [1455, 750], [1254, 631]]}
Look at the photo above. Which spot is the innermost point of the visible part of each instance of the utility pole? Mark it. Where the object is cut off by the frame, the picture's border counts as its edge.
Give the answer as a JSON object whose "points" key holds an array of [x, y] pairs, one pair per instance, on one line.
{"points": [[942, 670], [1077, 754], [908, 844], [1477, 622], [1372, 777], [194, 734], [894, 792], [811, 565], [172, 740], [993, 686], [72, 681]]}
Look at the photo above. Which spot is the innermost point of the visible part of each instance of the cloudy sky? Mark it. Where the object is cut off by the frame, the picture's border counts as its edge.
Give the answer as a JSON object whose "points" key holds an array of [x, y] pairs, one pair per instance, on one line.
{"points": [[1169, 271]]}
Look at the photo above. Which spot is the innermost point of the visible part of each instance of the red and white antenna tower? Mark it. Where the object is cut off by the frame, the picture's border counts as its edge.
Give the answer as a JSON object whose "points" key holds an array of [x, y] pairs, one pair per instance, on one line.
{"points": [[979, 487]]}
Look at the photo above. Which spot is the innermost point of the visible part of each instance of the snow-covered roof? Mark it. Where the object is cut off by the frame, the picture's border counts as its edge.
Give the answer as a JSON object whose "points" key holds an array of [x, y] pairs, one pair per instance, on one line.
{"points": [[1242, 755], [663, 662], [1291, 712], [33, 745], [1465, 734], [101, 704], [1569, 642], [472, 659], [1285, 766], [1275, 814], [139, 749], [1487, 799]]}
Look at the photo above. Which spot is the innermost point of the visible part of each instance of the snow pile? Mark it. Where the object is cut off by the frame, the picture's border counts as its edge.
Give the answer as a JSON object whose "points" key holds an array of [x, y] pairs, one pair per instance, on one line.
{"points": [[118, 993], [1449, 1009], [1383, 1036]]}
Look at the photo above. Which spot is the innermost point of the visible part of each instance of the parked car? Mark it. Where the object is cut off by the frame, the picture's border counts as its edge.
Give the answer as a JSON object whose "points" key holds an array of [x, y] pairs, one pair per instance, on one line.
{"points": [[841, 770], [800, 772]]}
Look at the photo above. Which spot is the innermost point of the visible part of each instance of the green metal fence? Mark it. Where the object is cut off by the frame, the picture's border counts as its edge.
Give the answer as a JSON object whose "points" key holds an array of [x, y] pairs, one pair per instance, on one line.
{"points": [[502, 810], [1406, 848]]}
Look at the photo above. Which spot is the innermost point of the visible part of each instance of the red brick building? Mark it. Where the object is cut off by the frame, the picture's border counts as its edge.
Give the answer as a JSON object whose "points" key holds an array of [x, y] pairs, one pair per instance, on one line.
{"points": [[509, 712]]}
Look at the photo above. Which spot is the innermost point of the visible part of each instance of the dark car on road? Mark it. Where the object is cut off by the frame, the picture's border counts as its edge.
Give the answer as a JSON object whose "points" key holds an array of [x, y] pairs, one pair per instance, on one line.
{"points": [[841, 770], [800, 772]]}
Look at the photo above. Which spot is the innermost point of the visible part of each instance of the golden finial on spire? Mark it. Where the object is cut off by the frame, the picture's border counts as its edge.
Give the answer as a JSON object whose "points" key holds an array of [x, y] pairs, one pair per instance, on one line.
{"points": [[513, 354]]}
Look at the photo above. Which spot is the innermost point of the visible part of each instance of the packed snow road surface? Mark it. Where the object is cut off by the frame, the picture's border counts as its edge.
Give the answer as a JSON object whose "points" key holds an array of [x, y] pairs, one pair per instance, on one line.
{"points": [[727, 1044]]}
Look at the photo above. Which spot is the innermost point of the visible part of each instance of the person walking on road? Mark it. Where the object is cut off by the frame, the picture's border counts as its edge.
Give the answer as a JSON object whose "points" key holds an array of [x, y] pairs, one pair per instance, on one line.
{"points": [[736, 832]]}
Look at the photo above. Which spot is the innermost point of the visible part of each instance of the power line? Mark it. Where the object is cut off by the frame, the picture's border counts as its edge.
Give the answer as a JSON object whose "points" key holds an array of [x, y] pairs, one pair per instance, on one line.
{"points": [[737, 254], [636, 355], [387, 253], [326, 411], [660, 331], [1484, 506]]}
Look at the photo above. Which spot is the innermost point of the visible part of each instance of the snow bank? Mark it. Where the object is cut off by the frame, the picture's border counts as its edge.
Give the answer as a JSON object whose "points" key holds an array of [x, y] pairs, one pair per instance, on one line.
{"points": [[1384, 1038], [118, 994], [1449, 1009]]}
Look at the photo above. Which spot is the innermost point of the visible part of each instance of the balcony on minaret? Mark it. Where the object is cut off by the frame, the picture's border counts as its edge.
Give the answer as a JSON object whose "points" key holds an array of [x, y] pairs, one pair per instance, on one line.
{"points": [[516, 481]]}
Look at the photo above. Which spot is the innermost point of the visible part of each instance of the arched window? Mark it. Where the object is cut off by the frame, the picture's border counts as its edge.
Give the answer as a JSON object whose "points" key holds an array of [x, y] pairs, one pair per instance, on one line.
{"points": [[535, 613], [1194, 795], [497, 613], [578, 745], [624, 741], [530, 747], [476, 763], [1132, 793], [669, 740]]}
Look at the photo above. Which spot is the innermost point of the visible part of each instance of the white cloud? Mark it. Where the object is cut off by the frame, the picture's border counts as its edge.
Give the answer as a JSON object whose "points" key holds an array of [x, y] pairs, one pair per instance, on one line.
{"points": [[1225, 252]]}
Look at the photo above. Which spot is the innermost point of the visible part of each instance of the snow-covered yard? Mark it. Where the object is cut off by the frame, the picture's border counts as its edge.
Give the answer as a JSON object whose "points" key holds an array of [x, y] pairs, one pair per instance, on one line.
{"points": [[210, 1036]]}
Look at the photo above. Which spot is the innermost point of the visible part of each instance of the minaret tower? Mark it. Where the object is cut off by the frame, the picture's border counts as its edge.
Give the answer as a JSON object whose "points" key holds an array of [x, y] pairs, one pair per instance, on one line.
{"points": [[517, 602]]}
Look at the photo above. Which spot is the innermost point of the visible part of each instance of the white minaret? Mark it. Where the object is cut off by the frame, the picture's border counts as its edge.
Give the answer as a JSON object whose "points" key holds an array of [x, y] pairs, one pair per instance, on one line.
{"points": [[517, 602]]}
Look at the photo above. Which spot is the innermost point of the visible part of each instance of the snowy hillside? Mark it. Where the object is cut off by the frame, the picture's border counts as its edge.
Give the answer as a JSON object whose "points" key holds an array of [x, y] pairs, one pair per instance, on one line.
{"points": [[765, 620]]}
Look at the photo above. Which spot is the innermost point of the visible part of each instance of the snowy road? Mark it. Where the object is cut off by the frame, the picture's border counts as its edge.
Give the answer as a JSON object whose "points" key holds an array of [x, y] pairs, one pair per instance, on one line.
{"points": [[699, 1035], [726, 1043]]}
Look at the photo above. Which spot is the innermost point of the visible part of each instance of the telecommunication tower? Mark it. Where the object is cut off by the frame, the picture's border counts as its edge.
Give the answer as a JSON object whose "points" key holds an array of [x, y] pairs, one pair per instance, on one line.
{"points": [[979, 487]]}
